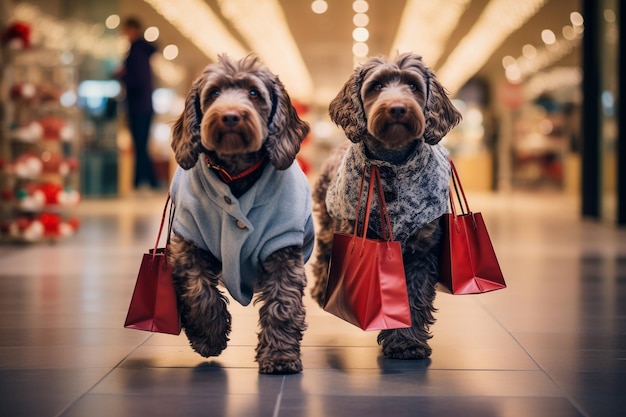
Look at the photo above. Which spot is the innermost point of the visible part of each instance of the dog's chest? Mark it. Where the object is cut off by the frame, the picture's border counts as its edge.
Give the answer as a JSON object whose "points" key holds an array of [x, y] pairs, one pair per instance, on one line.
{"points": [[417, 190], [241, 232]]}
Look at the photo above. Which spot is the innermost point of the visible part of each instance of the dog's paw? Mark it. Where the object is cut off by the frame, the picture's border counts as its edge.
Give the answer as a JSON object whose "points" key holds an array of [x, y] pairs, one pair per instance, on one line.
{"points": [[422, 351], [208, 336], [207, 350], [280, 366]]}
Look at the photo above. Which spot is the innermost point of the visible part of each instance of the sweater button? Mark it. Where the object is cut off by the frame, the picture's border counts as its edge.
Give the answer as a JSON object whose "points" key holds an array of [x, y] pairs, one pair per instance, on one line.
{"points": [[228, 200], [241, 224]]}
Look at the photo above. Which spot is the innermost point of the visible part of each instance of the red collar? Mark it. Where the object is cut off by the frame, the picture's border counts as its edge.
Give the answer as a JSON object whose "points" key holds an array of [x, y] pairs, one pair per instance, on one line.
{"points": [[226, 177]]}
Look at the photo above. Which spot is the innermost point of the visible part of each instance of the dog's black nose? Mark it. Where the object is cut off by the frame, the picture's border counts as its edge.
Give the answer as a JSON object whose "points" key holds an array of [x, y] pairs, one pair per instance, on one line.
{"points": [[231, 119], [397, 111]]}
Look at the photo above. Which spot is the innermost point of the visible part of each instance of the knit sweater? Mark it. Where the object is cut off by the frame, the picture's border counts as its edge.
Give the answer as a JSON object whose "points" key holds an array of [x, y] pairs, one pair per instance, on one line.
{"points": [[419, 185], [242, 232]]}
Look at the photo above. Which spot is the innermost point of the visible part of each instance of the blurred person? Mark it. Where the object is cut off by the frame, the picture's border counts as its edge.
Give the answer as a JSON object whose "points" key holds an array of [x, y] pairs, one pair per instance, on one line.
{"points": [[136, 75]]}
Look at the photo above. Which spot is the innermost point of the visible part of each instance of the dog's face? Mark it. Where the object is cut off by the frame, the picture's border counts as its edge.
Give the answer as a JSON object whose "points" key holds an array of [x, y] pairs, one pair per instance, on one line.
{"points": [[238, 107], [394, 102]]}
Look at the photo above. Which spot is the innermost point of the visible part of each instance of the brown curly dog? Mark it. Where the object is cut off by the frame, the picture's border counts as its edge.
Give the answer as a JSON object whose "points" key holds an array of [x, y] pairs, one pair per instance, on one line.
{"points": [[243, 215], [394, 112]]}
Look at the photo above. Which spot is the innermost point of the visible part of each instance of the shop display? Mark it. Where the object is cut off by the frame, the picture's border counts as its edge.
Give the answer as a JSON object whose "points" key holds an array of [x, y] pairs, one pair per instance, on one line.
{"points": [[38, 164]]}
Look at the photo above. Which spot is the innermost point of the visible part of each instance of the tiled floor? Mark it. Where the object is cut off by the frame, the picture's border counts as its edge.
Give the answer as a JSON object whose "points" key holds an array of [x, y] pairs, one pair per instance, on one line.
{"points": [[553, 344]]}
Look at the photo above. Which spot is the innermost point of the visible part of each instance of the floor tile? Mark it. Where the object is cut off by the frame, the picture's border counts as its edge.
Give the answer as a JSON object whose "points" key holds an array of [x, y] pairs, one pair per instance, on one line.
{"points": [[420, 382], [98, 405], [44, 392], [552, 344], [356, 405], [57, 357]]}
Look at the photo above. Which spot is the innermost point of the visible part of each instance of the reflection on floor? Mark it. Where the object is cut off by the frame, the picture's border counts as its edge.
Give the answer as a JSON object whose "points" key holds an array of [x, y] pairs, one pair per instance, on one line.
{"points": [[552, 344]]}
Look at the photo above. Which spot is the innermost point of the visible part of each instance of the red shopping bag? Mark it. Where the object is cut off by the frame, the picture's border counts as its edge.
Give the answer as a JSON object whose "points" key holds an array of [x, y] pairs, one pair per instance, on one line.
{"points": [[153, 306], [468, 262], [366, 280]]}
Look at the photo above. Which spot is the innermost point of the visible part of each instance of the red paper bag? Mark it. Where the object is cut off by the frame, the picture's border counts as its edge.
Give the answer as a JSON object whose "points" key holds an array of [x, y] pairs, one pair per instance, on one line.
{"points": [[153, 306], [366, 280], [468, 263]]}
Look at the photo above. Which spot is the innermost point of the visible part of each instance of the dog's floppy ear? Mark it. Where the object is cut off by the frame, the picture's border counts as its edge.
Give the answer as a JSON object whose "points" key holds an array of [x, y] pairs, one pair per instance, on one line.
{"points": [[346, 109], [441, 115], [186, 130], [286, 130]]}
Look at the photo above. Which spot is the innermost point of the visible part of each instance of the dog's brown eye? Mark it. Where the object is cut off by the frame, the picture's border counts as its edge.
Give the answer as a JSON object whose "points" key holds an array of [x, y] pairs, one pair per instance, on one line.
{"points": [[254, 94], [215, 93], [378, 87], [412, 87]]}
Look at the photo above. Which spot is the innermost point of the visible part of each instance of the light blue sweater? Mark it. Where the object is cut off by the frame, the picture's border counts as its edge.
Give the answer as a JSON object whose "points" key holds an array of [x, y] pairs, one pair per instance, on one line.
{"points": [[274, 214]]}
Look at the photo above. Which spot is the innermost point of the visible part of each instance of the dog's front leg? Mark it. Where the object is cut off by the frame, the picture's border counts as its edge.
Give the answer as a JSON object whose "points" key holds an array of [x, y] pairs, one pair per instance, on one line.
{"points": [[282, 314], [421, 268], [412, 342], [202, 306]]}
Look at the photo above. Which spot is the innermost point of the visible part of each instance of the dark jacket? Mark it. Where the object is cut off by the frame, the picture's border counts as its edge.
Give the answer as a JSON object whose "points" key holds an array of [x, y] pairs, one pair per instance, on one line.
{"points": [[137, 77]]}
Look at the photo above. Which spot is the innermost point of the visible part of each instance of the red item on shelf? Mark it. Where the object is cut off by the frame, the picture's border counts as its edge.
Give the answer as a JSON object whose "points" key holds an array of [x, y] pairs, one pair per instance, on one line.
{"points": [[17, 35], [51, 224]]}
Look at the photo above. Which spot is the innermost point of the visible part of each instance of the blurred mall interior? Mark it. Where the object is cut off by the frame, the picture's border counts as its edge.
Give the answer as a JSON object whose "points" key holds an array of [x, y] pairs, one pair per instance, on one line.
{"points": [[541, 148], [522, 74]]}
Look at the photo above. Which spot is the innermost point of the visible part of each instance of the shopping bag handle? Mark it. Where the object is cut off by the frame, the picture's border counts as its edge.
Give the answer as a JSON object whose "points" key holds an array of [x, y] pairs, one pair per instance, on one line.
{"points": [[169, 227], [458, 190], [382, 206]]}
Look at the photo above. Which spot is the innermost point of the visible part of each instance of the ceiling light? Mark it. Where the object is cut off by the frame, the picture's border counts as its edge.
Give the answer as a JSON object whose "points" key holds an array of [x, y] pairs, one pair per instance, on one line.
{"points": [[273, 42], [576, 18], [548, 37], [546, 56], [75, 36], [507, 61], [360, 49], [170, 52], [360, 20], [568, 32], [112, 21], [417, 33], [529, 51], [151, 34], [493, 27], [360, 34], [319, 6], [192, 18], [513, 73], [360, 6]]}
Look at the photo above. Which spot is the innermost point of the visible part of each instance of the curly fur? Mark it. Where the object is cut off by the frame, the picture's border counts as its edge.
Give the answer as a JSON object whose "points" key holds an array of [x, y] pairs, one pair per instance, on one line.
{"points": [[282, 315], [249, 93], [404, 78], [391, 106], [236, 113], [202, 306]]}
